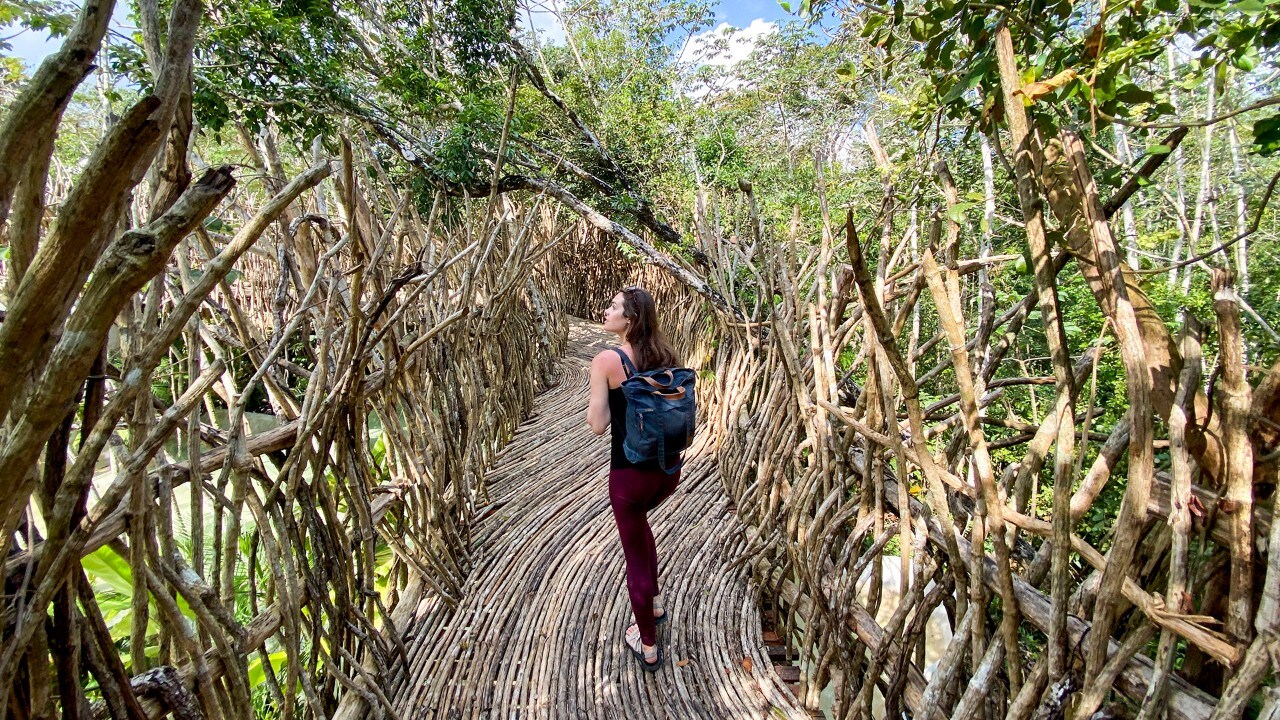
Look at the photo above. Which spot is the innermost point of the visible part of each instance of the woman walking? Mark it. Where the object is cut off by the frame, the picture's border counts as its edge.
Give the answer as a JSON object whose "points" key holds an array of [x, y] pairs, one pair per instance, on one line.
{"points": [[634, 488]]}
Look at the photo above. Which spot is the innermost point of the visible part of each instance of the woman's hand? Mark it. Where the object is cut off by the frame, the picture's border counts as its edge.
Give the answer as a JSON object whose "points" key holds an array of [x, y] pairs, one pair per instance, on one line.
{"points": [[598, 400]]}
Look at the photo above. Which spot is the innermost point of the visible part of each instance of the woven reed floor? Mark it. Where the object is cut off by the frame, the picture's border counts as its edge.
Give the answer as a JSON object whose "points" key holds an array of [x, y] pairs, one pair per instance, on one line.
{"points": [[538, 633]]}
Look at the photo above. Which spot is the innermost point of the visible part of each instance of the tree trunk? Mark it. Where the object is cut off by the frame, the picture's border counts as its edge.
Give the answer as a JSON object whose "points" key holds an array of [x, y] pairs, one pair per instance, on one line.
{"points": [[1180, 174], [1126, 213], [36, 113], [1162, 358], [1236, 399], [1027, 166], [1205, 189], [1242, 219]]}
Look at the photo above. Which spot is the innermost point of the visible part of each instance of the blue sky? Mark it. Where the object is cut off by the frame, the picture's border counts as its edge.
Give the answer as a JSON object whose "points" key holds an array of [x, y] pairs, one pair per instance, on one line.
{"points": [[755, 18], [742, 13], [26, 44], [33, 47]]}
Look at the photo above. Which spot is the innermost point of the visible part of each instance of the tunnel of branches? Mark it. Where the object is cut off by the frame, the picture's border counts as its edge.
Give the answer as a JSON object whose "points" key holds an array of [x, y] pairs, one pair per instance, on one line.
{"points": [[302, 436]]}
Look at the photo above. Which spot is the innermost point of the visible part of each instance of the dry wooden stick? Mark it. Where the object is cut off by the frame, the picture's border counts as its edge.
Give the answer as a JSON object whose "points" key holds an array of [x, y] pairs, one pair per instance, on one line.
{"points": [[1236, 399], [1137, 374], [1026, 170], [910, 392], [947, 302], [1176, 595]]}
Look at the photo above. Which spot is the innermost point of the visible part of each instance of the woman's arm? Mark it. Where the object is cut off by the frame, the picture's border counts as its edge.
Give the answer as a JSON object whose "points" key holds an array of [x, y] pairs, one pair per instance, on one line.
{"points": [[598, 402]]}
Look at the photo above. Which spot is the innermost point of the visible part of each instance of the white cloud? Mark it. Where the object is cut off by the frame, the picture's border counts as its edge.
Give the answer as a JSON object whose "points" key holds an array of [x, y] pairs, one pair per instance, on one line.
{"points": [[725, 45], [722, 47], [542, 16]]}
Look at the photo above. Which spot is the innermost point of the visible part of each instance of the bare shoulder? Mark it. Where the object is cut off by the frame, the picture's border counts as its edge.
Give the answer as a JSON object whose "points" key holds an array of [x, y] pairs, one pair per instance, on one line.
{"points": [[605, 361]]}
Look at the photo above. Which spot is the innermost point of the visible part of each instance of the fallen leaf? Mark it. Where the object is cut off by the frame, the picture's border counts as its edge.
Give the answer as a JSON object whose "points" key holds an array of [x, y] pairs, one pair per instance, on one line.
{"points": [[1035, 90], [682, 663], [746, 664]]}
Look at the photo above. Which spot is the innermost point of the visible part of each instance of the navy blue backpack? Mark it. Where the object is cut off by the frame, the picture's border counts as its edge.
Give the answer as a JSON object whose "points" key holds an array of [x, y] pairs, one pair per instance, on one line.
{"points": [[661, 413]]}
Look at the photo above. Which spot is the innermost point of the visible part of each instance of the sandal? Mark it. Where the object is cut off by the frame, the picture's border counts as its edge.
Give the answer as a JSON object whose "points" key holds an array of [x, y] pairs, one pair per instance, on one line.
{"points": [[660, 619], [637, 648]]}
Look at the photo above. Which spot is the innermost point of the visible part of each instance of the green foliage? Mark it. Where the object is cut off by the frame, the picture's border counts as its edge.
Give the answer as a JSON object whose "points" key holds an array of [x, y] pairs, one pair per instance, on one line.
{"points": [[268, 58], [296, 62], [460, 153], [1266, 135], [54, 17]]}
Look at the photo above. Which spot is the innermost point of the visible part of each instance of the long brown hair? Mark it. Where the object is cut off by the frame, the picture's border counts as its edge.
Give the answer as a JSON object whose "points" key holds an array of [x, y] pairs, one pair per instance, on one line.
{"points": [[647, 341]]}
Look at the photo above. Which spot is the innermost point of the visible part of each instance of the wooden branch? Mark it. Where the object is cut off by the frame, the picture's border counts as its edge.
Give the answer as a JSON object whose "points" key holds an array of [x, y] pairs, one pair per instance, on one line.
{"points": [[256, 632], [36, 113], [1186, 701], [1238, 504], [1026, 166], [947, 301], [535, 77], [1163, 361], [861, 623], [1170, 618], [599, 221], [1138, 382], [1144, 173], [1264, 424], [888, 343], [87, 218], [133, 259], [1176, 595]]}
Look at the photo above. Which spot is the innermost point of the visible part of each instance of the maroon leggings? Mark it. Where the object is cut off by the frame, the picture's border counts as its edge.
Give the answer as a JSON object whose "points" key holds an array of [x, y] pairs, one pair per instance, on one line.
{"points": [[632, 494]]}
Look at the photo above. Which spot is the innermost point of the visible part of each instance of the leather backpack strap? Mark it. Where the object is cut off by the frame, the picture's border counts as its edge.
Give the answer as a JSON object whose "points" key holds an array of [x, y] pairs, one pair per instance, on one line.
{"points": [[626, 362]]}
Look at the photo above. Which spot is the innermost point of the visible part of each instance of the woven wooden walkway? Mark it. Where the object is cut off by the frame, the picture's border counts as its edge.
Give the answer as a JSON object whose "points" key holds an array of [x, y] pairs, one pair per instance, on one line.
{"points": [[539, 631]]}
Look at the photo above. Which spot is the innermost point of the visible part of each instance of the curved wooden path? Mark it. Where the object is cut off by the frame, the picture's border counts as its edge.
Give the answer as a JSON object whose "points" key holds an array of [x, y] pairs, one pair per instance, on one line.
{"points": [[538, 633]]}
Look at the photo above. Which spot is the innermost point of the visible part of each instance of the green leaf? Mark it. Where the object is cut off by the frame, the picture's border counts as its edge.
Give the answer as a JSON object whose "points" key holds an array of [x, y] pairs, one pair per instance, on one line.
{"points": [[1266, 135], [919, 31], [1158, 149], [956, 212], [1134, 95], [1248, 60], [110, 569], [873, 22], [786, 6], [258, 674], [971, 79], [1250, 7]]}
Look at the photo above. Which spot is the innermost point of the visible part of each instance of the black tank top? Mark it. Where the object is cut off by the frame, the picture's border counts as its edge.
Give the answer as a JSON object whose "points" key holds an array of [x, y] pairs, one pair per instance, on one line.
{"points": [[618, 431]]}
